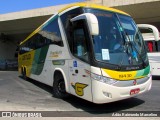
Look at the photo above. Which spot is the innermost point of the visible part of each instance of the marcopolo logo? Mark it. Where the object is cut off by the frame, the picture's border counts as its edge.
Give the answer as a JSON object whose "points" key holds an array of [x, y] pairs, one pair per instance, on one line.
{"points": [[134, 82]]}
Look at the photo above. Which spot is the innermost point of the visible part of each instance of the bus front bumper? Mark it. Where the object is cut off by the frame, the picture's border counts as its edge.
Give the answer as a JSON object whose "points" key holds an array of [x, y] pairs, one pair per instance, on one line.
{"points": [[104, 93]]}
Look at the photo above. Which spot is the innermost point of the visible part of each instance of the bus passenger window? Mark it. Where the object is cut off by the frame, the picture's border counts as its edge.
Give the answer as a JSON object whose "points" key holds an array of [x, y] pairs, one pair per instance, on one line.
{"points": [[52, 32], [65, 18]]}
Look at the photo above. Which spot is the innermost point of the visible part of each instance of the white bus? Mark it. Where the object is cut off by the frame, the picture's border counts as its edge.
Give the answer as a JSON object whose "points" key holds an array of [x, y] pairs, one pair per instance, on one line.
{"points": [[152, 39], [93, 52]]}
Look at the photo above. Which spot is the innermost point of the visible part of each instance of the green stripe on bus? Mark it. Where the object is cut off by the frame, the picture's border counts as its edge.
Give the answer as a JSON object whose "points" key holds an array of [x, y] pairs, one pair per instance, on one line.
{"points": [[39, 59], [143, 72], [146, 70]]}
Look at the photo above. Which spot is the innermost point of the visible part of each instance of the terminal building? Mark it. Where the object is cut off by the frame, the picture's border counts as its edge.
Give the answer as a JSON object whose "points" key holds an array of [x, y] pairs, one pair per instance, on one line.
{"points": [[14, 27]]}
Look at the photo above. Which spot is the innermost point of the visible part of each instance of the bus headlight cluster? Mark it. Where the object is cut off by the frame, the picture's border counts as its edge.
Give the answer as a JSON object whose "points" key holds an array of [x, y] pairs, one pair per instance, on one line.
{"points": [[103, 79]]}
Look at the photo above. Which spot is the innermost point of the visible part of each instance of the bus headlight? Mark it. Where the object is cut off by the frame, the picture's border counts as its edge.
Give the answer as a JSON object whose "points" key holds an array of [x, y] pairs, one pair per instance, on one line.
{"points": [[103, 79]]}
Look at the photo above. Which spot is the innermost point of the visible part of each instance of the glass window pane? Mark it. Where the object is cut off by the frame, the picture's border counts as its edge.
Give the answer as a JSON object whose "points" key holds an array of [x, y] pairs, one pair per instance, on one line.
{"points": [[51, 33], [80, 47]]}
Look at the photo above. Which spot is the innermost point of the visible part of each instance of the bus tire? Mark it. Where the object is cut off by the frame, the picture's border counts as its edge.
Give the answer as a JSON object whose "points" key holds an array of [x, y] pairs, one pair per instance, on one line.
{"points": [[22, 71], [24, 74], [59, 90]]}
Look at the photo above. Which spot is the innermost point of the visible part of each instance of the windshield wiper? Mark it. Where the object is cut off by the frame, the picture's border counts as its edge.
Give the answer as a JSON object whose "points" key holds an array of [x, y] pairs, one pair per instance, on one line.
{"points": [[129, 43], [125, 47], [125, 44], [133, 52]]}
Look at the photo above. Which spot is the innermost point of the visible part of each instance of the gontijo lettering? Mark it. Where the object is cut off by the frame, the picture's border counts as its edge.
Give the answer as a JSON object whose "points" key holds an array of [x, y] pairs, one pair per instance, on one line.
{"points": [[55, 54]]}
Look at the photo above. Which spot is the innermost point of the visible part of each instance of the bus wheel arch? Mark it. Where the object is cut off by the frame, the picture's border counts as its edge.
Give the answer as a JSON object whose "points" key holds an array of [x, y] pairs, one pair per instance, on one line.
{"points": [[59, 85]]}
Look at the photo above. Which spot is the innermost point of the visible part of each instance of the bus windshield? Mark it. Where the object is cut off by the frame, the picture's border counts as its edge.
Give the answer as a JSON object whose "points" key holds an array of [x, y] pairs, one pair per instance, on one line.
{"points": [[119, 41]]}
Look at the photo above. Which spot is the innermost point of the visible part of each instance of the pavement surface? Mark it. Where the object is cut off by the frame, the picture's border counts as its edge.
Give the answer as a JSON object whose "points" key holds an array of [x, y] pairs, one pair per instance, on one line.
{"points": [[17, 94]]}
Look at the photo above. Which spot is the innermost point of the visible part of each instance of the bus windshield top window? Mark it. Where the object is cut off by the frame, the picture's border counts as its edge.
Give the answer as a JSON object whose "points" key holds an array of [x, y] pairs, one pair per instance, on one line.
{"points": [[115, 30]]}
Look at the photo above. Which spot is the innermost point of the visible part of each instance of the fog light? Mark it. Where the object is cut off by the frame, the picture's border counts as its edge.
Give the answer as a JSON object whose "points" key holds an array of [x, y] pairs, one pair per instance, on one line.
{"points": [[107, 94]]}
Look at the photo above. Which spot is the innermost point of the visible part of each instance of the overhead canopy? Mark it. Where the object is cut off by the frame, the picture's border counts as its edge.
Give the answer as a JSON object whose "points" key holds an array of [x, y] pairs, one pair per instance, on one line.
{"points": [[145, 12], [18, 25]]}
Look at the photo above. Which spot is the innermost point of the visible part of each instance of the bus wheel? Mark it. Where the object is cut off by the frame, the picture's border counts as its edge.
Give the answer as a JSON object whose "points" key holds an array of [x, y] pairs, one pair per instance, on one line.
{"points": [[24, 74], [22, 71], [59, 90]]}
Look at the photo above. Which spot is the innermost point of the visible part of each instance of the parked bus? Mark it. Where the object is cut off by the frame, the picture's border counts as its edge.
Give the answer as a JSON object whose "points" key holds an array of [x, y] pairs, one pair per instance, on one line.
{"points": [[93, 52], [152, 39]]}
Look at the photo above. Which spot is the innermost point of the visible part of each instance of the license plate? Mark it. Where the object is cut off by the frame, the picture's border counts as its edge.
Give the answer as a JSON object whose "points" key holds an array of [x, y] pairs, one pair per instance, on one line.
{"points": [[134, 91]]}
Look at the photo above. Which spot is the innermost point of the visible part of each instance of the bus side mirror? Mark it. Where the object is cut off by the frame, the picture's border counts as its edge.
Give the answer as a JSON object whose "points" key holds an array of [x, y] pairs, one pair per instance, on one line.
{"points": [[91, 21]]}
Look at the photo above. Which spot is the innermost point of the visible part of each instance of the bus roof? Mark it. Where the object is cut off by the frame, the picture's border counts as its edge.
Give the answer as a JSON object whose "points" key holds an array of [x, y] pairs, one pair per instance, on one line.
{"points": [[91, 5], [87, 5]]}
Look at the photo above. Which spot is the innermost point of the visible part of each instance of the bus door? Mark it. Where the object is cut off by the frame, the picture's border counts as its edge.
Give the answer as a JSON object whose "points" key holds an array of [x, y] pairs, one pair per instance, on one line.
{"points": [[79, 67]]}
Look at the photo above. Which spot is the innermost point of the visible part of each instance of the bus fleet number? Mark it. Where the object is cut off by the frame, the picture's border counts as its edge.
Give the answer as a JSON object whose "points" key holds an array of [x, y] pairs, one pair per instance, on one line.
{"points": [[125, 75]]}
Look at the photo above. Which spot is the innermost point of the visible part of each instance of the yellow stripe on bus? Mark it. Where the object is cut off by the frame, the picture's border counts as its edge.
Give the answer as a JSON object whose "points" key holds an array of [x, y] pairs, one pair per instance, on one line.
{"points": [[90, 5], [121, 75], [27, 60]]}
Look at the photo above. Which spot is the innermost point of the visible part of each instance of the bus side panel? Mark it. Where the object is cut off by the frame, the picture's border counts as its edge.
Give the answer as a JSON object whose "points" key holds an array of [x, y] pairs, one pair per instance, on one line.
{"points": [[80, 79], [154, 59], [39, 60], [25, 61], [55, 59], [41, 66]]}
